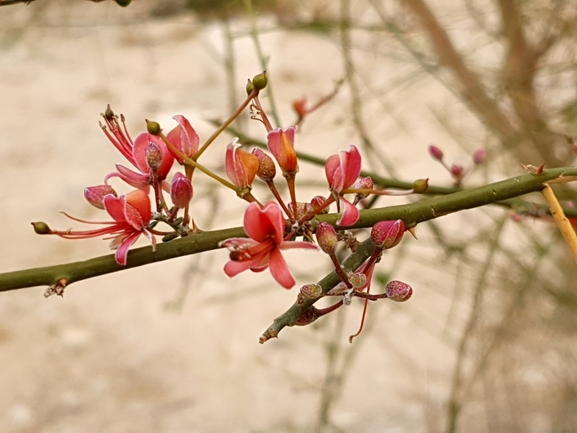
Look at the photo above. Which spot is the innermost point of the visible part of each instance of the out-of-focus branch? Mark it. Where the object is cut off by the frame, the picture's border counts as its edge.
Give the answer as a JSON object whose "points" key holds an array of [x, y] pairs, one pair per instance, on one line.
{"points": [[13, 2]]}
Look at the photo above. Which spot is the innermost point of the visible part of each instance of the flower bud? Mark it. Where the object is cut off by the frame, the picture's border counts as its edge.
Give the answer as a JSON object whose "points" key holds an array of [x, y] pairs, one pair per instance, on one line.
{"points": [[311, 291], [123, 3], [180, 191], [435, 152], [327, 238], [398, 291], [316, 202], [95, 194], [260, 81], [153, 127], [479, 156], [363, 183], [300, 107], [266, 168], [249, 87], [420, 186], [387, 234], [281, 145], [153, 156], [358, 280], [457, 170], [302, 209], [41, 228]]}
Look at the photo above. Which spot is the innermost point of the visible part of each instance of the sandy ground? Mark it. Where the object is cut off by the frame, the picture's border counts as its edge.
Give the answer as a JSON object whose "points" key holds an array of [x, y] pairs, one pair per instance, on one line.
{"points": [[128, 352]]}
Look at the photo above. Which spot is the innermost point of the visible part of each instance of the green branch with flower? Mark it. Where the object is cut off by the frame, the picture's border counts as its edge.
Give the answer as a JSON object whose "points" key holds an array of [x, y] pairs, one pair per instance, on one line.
{"points": [[272, 227]]}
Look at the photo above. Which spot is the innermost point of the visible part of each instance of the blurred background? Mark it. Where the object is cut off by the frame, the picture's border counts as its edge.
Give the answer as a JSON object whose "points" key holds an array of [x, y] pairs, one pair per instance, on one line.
{"points": [[487, 342]]}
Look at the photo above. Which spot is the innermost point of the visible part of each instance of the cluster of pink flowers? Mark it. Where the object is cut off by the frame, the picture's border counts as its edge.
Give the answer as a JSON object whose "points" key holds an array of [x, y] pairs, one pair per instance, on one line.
{"points": [[270, 228]]}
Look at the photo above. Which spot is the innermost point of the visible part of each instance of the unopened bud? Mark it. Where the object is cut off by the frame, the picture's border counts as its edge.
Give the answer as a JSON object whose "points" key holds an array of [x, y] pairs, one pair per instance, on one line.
{"points": [[358, 280], [260, 81], [311, 291], [180, 191], [41, 228], [436, 152], [318, 201], [95, 194], [249, 87], [123, 3], [363, 183], [153, 127], [302, 209], [420, 186], [300, 107], [457, 170], [327, 238], [398, 291], [387, 234], [479, 156], [266, 168]]}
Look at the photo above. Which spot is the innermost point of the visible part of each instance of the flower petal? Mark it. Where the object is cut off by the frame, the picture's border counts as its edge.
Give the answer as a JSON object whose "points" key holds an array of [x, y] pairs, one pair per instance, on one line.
{"points": [[258, 224], [139, 151], [350, 214], [122, 251], [279, 269], [234, 267], [115, 207], [184, 137]]}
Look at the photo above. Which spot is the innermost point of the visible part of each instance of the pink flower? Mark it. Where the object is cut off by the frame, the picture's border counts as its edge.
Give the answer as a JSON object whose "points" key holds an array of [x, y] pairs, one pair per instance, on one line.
{"points": [[262, 250], [342, 172], [184, 138], [241, 167], [131, 214], [281, 143], [140, 153]]}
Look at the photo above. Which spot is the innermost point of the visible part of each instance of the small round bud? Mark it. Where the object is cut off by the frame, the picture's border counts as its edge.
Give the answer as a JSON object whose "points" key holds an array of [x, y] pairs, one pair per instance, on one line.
{"points": [[260, 81], [479, 156], [153, 154], [420, 186], [387, 234], [435, 152], [302, 209], [95, 194], [249, 87], [398, 291], [266, 168], [311, 291], [363, 183], [153, 127], [123, 3], [180, 190], [41, 228], [327, 238], [457, 170], [316, 202], [358, 280]]}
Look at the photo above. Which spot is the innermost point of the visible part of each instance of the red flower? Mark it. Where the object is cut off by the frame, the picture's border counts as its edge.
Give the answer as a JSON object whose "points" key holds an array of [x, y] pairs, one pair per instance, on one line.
{"points": [[342, 172], [281, 143], [184, 138], [241, 167], [131, 214], [265, 227]]}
